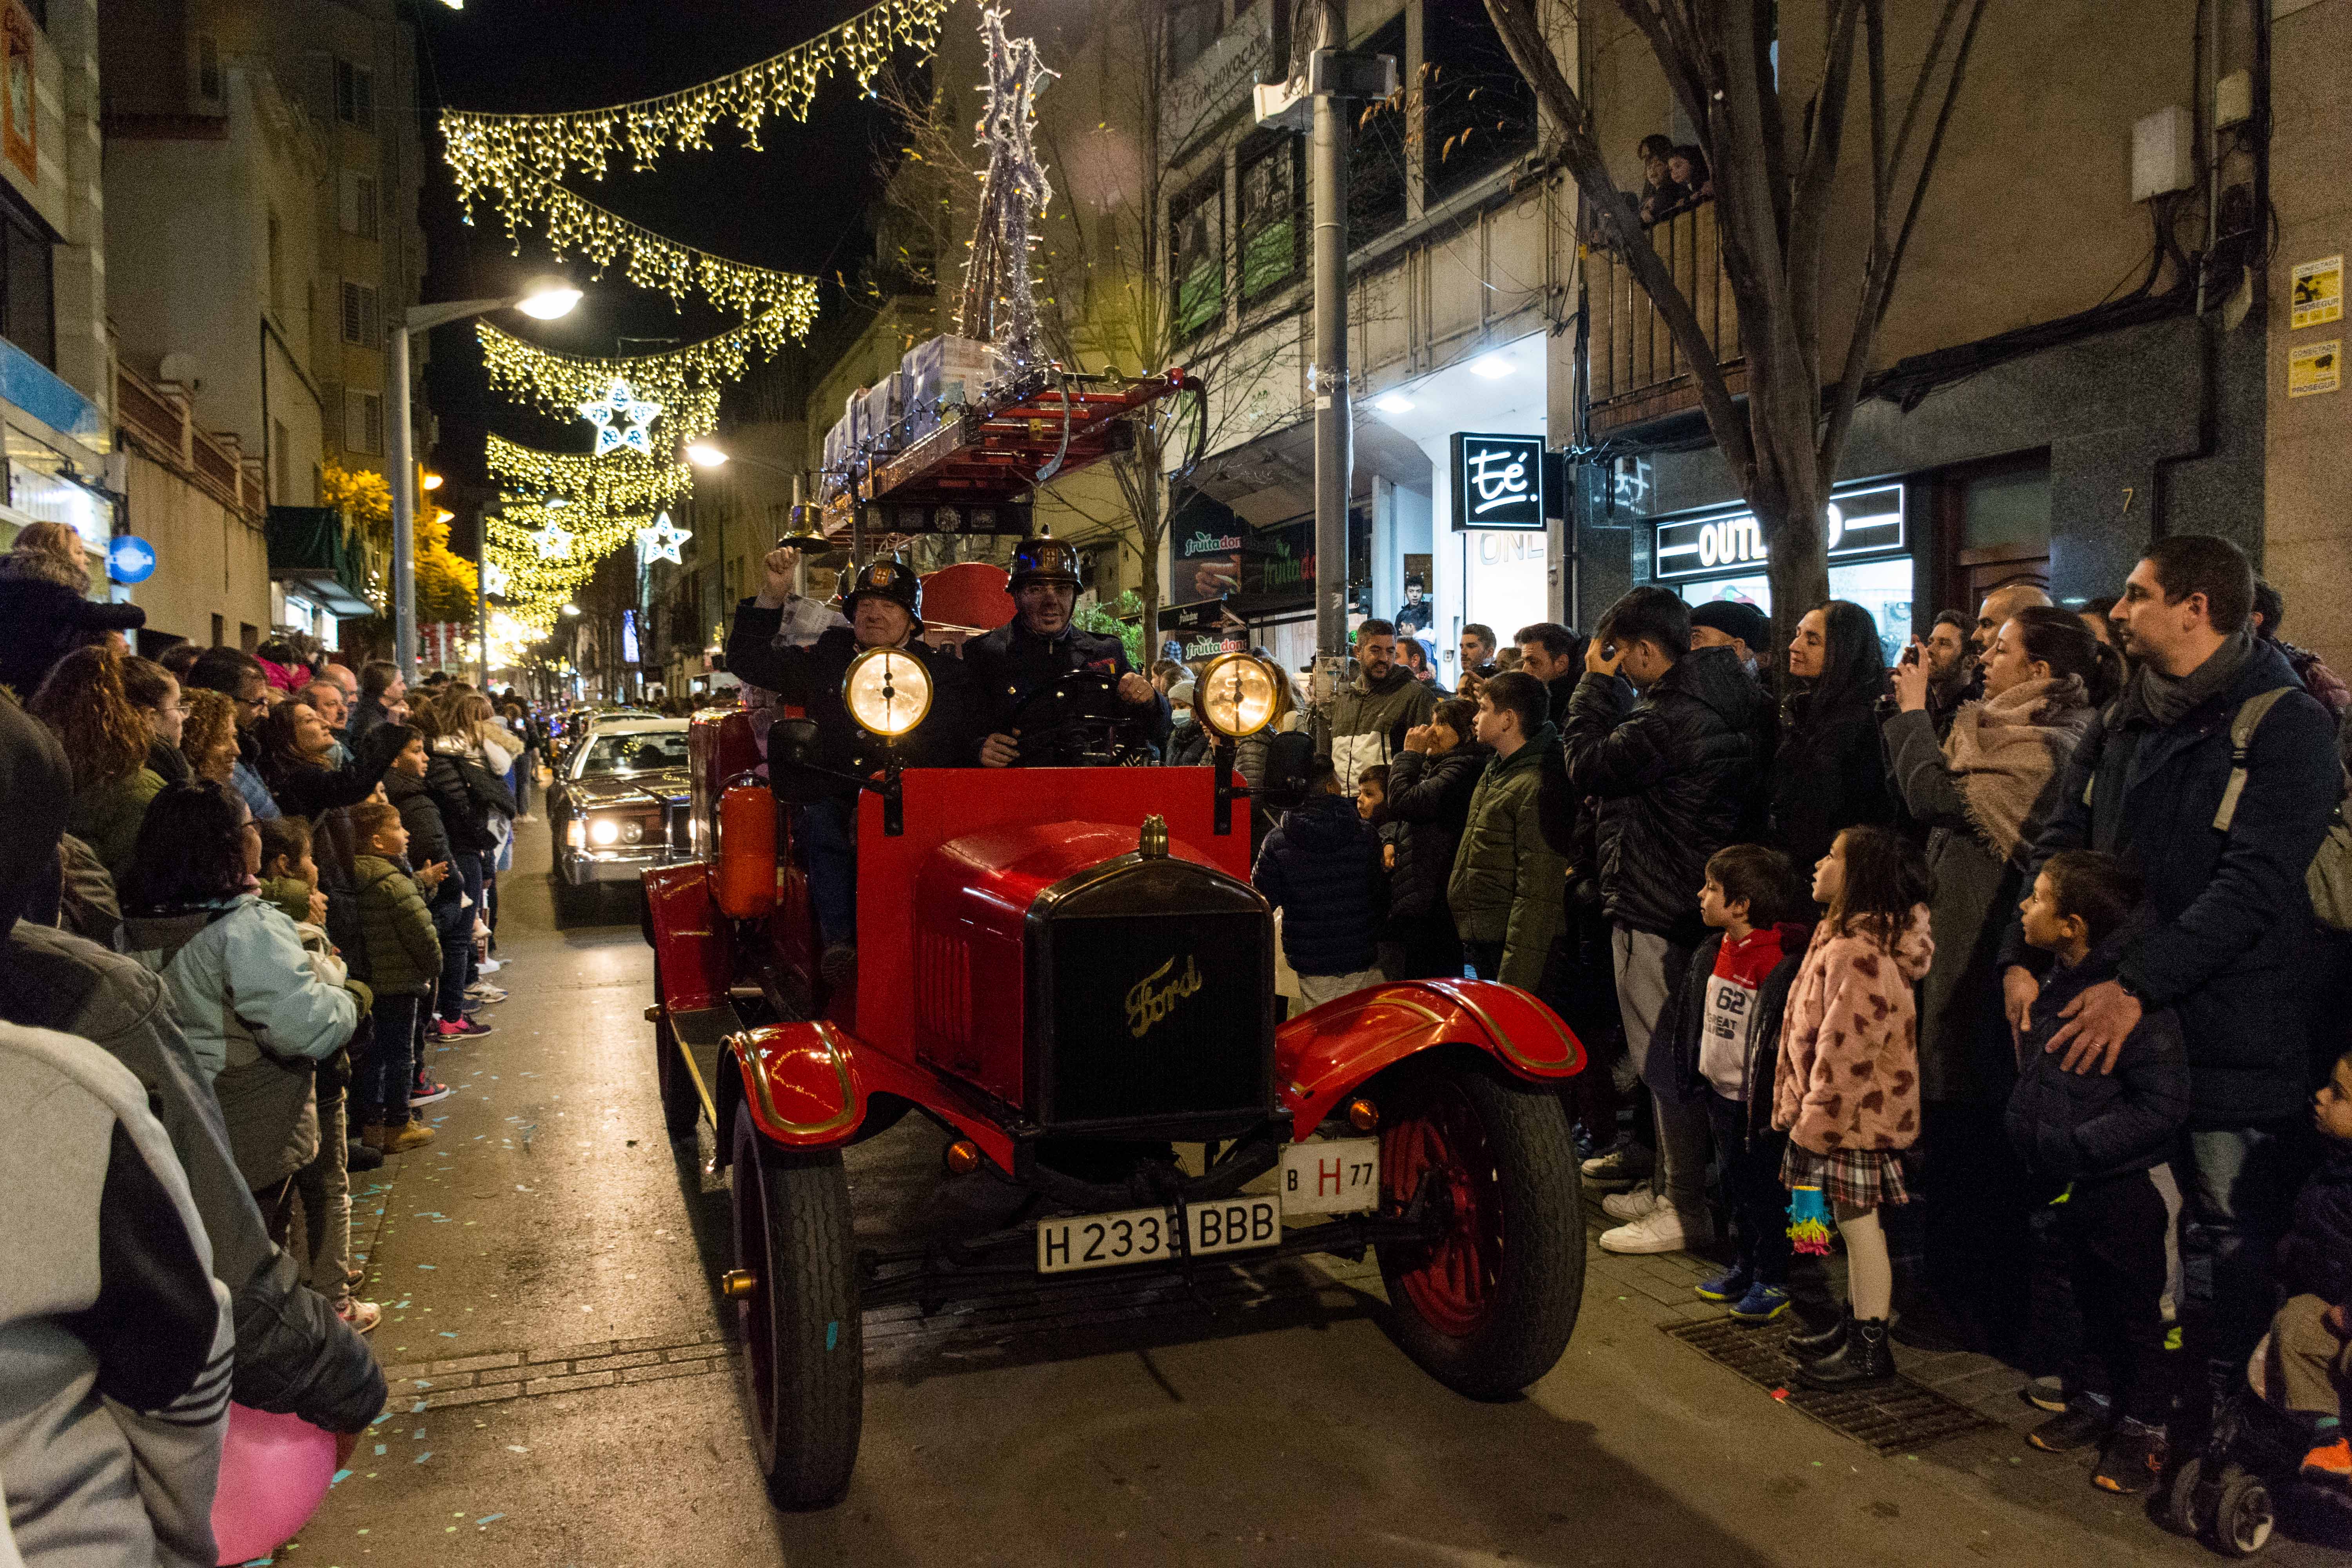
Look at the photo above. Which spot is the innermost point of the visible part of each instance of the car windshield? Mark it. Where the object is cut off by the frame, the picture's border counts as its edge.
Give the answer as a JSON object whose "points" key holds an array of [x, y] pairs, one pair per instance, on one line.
{"points": [[640, 754]]}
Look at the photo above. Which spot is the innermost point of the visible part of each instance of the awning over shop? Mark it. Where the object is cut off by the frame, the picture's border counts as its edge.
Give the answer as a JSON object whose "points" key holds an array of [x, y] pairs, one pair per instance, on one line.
{"points": [[310, 554]]}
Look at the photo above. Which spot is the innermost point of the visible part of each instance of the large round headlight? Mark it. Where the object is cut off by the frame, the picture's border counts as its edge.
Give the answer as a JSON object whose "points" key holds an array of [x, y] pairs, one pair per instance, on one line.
{"points": [[604, 830], [1236, 695], [887, 691], [633, 832]]}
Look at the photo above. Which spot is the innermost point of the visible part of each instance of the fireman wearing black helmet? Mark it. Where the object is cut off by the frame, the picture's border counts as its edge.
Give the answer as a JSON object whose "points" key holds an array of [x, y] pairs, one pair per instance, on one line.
{"points": [[882, 607], [1026, 662]]}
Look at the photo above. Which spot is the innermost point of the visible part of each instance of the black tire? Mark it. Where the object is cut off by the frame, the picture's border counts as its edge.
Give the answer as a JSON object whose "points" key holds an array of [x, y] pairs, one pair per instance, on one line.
{"points": [[1489, 1309], [2242, 1515], [804, 1342], [681, 1105], [2177, 1503]]}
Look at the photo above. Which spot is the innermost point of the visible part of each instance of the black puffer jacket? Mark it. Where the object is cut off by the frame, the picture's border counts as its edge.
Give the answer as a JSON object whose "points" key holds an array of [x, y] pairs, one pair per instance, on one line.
{"points": [[1322, 867], [1677, 775], [2315, 1256], [1830, 776], [2073, 1127], [420, 813], [1429, 802]]}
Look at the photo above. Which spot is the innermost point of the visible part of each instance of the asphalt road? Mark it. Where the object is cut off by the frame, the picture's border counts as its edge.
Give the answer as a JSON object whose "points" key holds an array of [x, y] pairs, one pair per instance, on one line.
{"points": [[565, 1396]]}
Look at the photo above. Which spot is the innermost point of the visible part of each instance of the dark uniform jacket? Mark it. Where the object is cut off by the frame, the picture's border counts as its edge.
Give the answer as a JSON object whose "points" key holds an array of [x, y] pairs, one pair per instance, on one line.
{"points": [[810, 679], [1677, 774], [1012, 665]]}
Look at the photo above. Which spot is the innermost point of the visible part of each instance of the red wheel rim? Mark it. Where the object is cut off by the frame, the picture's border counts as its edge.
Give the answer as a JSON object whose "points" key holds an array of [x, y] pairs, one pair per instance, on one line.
{"points": [[1454, 1280]]}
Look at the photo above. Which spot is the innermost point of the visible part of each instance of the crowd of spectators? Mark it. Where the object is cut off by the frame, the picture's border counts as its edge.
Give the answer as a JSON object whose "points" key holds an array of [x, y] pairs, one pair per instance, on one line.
{"points": [[246, 897], [1897, 956]]}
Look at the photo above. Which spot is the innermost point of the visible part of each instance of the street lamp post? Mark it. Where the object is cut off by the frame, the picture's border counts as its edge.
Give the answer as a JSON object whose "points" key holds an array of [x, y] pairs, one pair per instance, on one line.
{"points": [[545, 302]]}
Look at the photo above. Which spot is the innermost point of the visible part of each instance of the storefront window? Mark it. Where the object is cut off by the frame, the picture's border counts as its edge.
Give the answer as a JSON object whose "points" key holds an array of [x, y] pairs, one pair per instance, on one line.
{"points": [[1478, 113], [1503, 579], [1271, 216], [1882, 587], [1376, 166], [2006, 510], [1196, 245]]}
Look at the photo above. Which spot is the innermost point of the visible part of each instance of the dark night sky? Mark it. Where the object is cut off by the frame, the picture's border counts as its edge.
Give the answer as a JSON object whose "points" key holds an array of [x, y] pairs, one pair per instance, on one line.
{"points": [[793, 206]]}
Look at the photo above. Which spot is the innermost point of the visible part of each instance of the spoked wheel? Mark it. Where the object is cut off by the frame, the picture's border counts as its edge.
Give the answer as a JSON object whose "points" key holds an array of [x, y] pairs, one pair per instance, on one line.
{"points": [[796, 1296], [1488, 1307], [681, 1105], [2242, 1517]]}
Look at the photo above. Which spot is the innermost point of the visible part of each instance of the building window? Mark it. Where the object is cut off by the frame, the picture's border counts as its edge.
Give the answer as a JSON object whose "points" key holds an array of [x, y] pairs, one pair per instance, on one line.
{"points": [[1478, 114], [28, 302], [1375, 167], [362, 421], [1273, 216], [1196, 256], [355, 95], [360, 324], [1192, 26], [208, 71], [357, 209]]}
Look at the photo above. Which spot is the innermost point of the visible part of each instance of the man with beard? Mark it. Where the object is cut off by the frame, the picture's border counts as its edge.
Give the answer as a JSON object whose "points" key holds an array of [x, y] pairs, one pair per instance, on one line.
{"points": [[1368, 717]]}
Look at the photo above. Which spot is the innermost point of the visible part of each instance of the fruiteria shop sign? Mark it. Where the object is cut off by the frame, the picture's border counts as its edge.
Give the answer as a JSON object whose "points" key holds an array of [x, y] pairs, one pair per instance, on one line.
{"points": [[1499, 482], [1861, 523]]}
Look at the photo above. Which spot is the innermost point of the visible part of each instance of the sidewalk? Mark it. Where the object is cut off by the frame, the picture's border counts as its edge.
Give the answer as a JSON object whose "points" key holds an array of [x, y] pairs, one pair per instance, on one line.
{"points": [[1658, 1286]]}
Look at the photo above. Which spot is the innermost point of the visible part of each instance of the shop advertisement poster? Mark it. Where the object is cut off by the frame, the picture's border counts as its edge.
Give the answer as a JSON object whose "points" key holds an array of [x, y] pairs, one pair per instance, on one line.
{"points": [[2318, 296], [2312, 368]]}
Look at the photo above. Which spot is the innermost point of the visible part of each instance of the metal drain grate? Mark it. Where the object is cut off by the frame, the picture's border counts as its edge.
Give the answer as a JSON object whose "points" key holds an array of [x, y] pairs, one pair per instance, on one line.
{"points": [[1897, 1417]]}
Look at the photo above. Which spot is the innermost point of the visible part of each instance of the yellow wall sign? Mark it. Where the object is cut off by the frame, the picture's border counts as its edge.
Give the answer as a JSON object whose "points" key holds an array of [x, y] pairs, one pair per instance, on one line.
{"points": [[2314, 368], [2318, 296]]}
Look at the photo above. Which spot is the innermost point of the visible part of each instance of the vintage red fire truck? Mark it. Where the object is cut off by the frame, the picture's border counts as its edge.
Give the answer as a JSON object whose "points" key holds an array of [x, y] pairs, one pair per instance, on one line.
{"points": [[1067, 970]]}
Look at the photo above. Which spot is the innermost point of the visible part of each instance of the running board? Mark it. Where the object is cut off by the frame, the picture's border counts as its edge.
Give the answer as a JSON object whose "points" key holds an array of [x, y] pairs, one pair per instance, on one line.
{"points": [[701, 1034]]}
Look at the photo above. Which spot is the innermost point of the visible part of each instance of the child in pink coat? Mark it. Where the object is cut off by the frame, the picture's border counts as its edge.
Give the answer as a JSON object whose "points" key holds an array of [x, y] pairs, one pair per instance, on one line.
{"points": [[1847, 1088]]}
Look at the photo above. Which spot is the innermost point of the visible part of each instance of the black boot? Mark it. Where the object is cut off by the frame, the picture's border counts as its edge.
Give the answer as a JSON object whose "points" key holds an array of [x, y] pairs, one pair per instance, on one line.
{"points": [[1865, 1359], [1810, 1345]]}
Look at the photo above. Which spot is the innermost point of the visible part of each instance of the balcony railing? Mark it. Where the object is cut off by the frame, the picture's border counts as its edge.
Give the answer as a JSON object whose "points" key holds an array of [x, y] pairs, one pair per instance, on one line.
{"points": [[1638, 372], [157, 417]]}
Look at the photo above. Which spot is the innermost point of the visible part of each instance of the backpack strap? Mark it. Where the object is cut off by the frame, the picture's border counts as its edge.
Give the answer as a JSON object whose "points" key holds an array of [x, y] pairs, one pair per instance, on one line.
{"points": [[2242, 736]]}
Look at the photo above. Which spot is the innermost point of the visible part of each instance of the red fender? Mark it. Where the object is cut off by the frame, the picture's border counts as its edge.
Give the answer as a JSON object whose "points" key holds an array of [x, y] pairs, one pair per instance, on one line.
{"points": [[1320, 1056], [807, 1085], [689, 936]]}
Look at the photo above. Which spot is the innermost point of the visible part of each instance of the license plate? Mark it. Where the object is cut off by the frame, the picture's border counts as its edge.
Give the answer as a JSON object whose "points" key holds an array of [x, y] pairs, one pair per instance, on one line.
{"points": [[1147, 1235], [1337, 1175]]}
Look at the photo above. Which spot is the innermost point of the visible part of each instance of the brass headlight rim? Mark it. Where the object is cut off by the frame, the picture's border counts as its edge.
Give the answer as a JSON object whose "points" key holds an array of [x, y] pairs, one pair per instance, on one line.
{"points": [[1203, 685], [849, 681]]}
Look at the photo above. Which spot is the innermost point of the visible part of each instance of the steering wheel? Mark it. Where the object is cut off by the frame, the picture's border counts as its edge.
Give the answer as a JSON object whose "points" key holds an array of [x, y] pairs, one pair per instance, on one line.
{"points": [[1080, 722]]}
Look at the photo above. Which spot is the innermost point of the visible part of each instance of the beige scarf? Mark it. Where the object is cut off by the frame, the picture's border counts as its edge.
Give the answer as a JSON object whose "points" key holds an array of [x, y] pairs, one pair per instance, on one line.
{"points": [[2004, 751]]}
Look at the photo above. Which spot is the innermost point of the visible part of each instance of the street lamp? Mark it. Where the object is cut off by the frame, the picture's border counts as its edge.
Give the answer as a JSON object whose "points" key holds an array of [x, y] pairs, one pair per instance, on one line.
{"points": [[806, 538], [545, 299]]}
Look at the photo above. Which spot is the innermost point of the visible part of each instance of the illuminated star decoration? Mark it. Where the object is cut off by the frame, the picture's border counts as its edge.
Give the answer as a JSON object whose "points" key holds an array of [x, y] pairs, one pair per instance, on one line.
{"points": [[494, 580], [622, 419], [660, 541], [554, 543]]}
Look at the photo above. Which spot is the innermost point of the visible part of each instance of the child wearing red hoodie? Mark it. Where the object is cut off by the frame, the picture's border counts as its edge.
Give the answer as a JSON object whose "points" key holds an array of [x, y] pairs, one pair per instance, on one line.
{"points": [[1725, 1021], [1847, 1090]]}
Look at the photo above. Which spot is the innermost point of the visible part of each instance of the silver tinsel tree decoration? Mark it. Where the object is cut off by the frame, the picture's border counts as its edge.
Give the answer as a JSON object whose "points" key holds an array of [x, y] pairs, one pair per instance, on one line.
{"points": [[998, 304]]}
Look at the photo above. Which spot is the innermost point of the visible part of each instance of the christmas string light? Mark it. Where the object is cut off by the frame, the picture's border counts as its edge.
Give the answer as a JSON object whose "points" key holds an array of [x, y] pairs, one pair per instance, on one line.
{"points": [[775, 305], [504, 155], [685, 381], [596, 486]]}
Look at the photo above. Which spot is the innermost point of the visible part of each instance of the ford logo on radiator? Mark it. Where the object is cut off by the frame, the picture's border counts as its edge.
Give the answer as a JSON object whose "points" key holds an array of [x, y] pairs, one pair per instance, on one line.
{"points": [[1149, 1000]]}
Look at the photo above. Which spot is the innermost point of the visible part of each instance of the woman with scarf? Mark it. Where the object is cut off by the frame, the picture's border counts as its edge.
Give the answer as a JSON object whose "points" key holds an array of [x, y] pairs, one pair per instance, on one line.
{"points": [[1982, 795]]}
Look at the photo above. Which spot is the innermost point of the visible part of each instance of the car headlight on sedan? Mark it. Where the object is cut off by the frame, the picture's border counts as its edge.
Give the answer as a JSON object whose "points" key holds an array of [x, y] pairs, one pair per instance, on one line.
{"points": [[887, 691], [603, 832], [633, 832], [1236, 695]]}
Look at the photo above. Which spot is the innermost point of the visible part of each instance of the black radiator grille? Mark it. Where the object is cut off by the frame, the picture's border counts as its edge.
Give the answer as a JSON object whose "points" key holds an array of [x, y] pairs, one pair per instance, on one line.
{"points": [[1156, 1016]]}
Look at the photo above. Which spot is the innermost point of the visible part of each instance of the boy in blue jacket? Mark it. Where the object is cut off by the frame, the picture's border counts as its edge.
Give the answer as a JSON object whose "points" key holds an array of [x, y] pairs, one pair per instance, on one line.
{"points": [[1322, 867], [2108, 1141]]}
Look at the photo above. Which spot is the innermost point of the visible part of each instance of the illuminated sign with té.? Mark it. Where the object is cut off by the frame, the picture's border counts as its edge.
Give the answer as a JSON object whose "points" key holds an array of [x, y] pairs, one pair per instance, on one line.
{"points": [[1499, 482]]}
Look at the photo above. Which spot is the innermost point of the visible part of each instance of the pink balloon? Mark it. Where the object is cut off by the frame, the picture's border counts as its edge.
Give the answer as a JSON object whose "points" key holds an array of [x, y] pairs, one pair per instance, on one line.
{"points": [[274, 1471]]}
